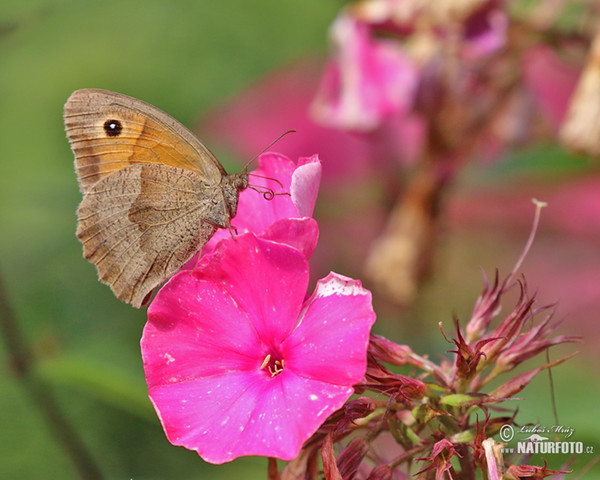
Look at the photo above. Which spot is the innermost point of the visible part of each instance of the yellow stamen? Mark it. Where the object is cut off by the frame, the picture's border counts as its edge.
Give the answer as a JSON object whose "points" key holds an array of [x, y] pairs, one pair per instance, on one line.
{"points": [[266, 362], [278, 368]]}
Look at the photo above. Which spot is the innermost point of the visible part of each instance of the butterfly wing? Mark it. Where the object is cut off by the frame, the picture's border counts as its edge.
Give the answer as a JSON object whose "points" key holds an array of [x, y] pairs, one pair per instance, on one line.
{"points": [[143, 222], [109, 131]]}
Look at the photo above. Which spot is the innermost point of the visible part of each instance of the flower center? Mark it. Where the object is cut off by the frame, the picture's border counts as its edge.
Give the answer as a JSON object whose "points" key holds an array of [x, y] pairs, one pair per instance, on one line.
{"points": [[273, 364]]}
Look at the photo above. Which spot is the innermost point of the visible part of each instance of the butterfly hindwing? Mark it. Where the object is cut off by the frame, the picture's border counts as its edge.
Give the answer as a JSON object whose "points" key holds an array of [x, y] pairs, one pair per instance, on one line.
{"points": [[141, 224]]}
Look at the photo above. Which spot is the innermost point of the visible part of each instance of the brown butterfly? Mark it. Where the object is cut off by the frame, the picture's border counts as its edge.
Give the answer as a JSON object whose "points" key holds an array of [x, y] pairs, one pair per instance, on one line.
{"points": [[153, 195]]}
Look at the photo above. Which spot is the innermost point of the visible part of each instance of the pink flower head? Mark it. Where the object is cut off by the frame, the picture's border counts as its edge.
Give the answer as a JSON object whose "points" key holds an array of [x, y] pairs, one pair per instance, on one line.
{"points": [[367, 80], [238, 362], [285, 218]]}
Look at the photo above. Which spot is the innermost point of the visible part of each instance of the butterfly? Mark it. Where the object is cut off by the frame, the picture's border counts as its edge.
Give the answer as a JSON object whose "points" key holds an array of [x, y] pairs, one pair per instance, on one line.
{"points": [[153, 194]]}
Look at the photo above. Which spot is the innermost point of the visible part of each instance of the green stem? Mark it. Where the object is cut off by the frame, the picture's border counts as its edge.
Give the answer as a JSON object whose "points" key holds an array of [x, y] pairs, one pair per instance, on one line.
{"points": [[22, 361]]}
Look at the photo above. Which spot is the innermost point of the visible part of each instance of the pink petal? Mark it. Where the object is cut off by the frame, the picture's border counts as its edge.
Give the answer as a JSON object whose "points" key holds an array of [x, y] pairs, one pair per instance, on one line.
{"points": [[239, 414], [305, 185], [299, 405], [195, 329], [267, 281], [300, 233], [341, 307], [300, 182]]}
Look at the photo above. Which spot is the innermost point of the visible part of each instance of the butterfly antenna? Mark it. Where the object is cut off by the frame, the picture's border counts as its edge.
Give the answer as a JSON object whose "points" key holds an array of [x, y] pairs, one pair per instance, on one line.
{"points": [[267, 178], [267, 147], [267, 192]]}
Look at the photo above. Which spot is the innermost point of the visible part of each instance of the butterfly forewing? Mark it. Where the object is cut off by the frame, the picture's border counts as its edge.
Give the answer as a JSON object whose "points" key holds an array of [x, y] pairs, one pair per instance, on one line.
{"points": [[109, 131]]}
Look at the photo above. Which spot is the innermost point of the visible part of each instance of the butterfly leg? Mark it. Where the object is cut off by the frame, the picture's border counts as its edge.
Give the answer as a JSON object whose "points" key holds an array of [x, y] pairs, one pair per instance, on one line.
{"points": [[232, 231]]}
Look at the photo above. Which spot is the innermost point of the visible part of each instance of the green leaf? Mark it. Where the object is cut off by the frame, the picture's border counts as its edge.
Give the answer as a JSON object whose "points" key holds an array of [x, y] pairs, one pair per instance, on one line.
{"points": [[458, 400]]}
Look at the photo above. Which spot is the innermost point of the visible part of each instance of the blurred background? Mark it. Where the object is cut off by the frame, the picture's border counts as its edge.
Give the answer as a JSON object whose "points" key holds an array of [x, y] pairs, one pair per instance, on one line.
{"points": [[240, 74]]}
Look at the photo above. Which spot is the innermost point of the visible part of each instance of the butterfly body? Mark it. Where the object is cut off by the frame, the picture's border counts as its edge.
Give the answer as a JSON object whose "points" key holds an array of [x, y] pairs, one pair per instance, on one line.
{"points": [[153, 194]]}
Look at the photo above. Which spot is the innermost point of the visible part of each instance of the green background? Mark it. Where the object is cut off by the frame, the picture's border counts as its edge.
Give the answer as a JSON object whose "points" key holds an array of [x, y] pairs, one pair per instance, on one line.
{"points": [[184, 57]]}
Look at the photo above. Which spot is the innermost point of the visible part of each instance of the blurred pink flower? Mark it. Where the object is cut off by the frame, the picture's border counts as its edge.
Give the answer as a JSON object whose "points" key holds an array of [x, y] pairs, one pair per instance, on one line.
{"points": [[367, 79], [238, 362], [281, 100], [484, 31], [551, 81]]}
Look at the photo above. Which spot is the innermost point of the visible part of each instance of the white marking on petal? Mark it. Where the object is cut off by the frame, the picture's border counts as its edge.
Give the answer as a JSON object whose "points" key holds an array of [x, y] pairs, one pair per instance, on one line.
{"points": [[335, 284], [322, 411], [313, 397], [169, 358]]}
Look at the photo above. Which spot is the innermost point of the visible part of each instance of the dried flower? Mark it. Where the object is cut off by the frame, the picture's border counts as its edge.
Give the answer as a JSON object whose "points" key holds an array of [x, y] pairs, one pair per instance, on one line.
{"points": [[580, 130], [523, 472], [366, 81], [441, 454], [493, 458]]}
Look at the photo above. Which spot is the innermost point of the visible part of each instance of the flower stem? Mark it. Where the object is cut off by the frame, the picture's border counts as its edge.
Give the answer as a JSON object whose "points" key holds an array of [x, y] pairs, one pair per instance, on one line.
{"points": [[536, 220], [21, 359]]}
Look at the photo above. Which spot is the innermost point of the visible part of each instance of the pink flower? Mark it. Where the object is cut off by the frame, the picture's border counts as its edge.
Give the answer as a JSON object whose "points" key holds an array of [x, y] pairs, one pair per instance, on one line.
{"points": [[367, 81], [283, 218], [239, 363]]}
